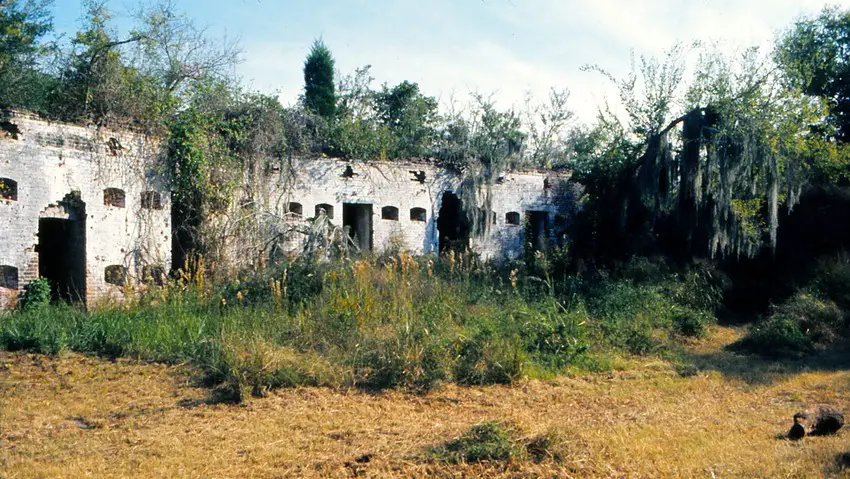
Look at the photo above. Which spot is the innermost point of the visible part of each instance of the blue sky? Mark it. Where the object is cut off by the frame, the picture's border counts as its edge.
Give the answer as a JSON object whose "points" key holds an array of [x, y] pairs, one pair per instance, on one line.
{"points": [[452, 47]]}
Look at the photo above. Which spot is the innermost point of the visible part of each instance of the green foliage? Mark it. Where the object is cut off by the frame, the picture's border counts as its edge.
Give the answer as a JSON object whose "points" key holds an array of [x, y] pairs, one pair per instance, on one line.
{"points": [[35, 295], [360, 138], [96, 85], [407, 322], [410, 116], [487, 360], [831, 278], [403, 324], [397, 122], [649, 302], [486, 136], [487, 441], [688, 322], [795, 328], [813, 318], [778, 336], [812, 54], [195, 152], [498, 441], [22, 25], [319, 94]]}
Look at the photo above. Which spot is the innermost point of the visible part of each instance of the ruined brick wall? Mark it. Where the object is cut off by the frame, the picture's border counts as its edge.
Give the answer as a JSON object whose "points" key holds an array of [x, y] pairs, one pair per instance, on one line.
{"points": [[406, 200], [95, 195], [87, 208]]}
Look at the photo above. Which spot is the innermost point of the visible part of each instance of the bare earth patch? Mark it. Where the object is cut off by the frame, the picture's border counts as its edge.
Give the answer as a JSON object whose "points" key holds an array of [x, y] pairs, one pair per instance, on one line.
{"points": [[77, 416]]}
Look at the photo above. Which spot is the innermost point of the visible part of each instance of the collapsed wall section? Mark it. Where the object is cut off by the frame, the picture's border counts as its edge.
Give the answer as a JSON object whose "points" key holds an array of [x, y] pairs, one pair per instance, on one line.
{"points": [[84, 207]]}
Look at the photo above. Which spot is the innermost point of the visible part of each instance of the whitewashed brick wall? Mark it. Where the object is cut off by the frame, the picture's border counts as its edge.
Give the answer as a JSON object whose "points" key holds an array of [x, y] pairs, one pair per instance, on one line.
{"points": [[51, 160], [323, 181]]}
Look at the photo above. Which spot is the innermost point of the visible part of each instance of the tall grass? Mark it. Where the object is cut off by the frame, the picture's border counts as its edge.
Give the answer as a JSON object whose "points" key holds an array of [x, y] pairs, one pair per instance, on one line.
{"points": [[400, 321]]}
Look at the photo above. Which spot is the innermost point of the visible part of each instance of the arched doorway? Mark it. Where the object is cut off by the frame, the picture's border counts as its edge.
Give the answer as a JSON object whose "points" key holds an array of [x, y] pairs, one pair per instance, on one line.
{"points": [[452, 224], [62, 248]]}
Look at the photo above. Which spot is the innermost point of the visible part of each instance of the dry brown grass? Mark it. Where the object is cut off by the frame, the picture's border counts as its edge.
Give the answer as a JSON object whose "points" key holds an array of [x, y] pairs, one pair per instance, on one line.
{"points": [[75, 416]]}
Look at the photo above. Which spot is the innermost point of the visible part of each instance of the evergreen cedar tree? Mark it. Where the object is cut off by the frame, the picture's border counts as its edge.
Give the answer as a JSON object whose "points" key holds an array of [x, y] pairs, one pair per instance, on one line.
{"points": [[319, 95]]}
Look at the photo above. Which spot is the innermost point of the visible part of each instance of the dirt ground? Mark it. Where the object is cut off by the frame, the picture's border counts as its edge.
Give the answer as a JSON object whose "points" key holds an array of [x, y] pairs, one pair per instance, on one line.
{"points": [[78, 416]]}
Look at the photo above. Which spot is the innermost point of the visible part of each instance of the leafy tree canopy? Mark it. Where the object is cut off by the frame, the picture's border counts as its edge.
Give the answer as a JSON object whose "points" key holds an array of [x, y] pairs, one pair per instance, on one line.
{"points": [[22, 24], [815, 56]]}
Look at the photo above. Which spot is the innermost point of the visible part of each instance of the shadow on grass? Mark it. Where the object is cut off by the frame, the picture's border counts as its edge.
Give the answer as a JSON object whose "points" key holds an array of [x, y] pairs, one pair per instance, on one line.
{"points": [[758, 370]]}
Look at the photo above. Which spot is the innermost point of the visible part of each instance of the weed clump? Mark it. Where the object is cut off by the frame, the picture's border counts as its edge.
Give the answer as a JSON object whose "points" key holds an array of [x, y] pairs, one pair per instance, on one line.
{"points": [[35, 295], [487, 441], [497, 441]]}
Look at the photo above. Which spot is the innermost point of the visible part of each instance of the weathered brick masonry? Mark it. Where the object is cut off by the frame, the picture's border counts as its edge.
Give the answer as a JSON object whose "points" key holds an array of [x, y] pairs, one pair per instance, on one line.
{"points": [[87, 201], [88, 209], [404, 202]]}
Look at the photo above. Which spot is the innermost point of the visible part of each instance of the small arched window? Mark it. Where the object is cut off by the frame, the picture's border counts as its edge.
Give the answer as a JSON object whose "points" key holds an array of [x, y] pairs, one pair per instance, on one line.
{"points": [[151, 200], [389, 213], [113, 197], [512, 218], [8, 189], [115, 274], [418, 214], [8, 277], [296, 208], [329, 210]]}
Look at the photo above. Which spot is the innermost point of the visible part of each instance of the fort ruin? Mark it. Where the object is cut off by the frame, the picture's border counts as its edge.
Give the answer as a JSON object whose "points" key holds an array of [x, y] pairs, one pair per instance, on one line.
{"points": [[90, 209]]}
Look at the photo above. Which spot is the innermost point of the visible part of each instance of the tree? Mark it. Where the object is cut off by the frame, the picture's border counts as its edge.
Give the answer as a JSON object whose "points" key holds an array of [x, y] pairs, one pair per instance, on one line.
{"points": [[548, 129], [22, 25], [145, 76], [410, 116], [176, 52], [319, 94], [481, 142], [711, 180], [814, 56], [93, 82], [356, 98]]}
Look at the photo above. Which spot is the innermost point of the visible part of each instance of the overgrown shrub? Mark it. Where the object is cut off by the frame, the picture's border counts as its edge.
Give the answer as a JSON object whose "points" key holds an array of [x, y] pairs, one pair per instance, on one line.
{"points": [[256, 366], [691, 323], [831, 277], [632, 317], [795, 328], [35, 295], [556, 336]]}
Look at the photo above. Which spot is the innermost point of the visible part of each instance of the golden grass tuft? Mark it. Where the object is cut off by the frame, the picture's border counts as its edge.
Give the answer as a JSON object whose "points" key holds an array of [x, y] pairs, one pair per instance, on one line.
{"points": [[646, 420]]}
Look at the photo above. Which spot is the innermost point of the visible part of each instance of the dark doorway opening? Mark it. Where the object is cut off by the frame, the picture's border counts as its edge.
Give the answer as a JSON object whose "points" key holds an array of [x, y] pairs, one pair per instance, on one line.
{"points": [[62, 256], [452, 224], [357, 220], [537, 234]]}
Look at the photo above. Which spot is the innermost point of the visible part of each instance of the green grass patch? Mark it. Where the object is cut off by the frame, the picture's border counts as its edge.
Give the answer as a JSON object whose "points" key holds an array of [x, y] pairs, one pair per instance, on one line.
{"points": [[498, 441]]}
